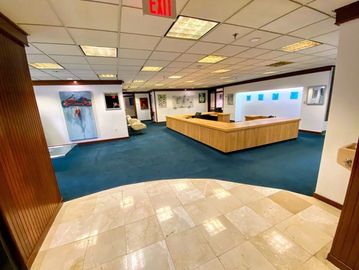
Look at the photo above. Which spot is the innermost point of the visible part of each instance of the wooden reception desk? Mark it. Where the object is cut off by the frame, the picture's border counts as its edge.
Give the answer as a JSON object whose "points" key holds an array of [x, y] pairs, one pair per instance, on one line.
{"points": [[229, 137]]}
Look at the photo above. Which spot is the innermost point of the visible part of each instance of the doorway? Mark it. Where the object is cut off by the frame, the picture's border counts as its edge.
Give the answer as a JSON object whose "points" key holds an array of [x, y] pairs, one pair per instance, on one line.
{"points": [[130, 107]]}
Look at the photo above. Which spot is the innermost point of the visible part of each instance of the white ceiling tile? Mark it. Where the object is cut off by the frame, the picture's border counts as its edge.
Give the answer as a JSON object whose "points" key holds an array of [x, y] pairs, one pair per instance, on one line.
{"points": [[233, 60], [261, 12], [134, 54], [204, 47], [280, 42], [133, 21], [332, 52], [85, 14], [156, 55], [230, 50], [62, 59], [131, 62], [188, 57], [94, 37], [224, 33], [83, 67], [30, 12], [316, 29], [320, 48], [132, 3], [213, 9], [156, 63], [79, 72], [39, 58], [32, 50], [129, 68], [114, 2], [330, 38], [59, 49], [88, 77], [253, 53], [48, 34], [132, 41], [174, 45], [271, 55], [297, 19], [102, 60], [104, 68], [328, 6], [263, 37]]}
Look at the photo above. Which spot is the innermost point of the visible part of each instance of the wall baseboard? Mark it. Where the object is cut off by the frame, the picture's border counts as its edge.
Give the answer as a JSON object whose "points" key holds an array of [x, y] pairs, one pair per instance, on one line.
{"points": [[310, 131], [338, 263], [104, 140], [328, 201]]}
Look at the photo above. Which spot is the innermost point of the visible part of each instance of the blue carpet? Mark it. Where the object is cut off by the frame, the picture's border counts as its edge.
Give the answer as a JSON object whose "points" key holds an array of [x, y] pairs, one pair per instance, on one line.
{"points": [[161, 153]]}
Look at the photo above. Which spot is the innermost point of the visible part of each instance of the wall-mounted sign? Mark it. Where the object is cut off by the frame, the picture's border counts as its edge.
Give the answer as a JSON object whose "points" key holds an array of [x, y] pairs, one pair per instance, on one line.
{"points": [[163, 8]]}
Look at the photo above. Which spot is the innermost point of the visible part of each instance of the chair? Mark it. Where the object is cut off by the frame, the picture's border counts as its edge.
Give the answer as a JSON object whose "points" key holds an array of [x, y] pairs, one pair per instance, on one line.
{"points": [[135, 124]]}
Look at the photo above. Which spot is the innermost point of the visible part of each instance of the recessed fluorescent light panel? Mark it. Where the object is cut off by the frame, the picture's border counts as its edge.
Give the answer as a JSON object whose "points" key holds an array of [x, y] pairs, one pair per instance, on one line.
{"points": [[175, 77], [138, 81], [221, 71], [301, 45], [190, 28], [99, 51], [107, 76], [46, 66], [279, 64], [153, 69], [212, 59]]}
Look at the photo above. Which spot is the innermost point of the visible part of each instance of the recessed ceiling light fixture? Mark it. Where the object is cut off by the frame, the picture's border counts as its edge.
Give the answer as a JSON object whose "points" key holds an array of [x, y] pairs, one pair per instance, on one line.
{"points": [[190, 28], [280, 63], [301, 45], [212, 59], [46, 66], [269, 72], [222, 78], [175, 77], [99, 51], [138, 81], [152, 69], [221, 71], [107, 76], [159, 84], [189, 81]]}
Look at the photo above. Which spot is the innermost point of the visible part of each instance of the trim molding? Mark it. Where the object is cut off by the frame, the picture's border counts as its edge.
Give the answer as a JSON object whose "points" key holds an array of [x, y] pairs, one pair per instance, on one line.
{"points": [[328, 201], [347, 13], [80, 82], [338, 263], [13, 31], [101, 141], [310, 131]]}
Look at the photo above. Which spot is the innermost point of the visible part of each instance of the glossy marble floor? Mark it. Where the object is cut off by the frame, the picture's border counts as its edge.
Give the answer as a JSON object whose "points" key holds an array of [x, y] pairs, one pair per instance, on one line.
{"points": [[199, 224]]}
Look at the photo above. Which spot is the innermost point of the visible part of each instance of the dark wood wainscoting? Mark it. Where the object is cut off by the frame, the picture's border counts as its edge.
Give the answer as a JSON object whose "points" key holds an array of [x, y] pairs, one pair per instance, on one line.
{"points": [[29, 195], [345, 249]]}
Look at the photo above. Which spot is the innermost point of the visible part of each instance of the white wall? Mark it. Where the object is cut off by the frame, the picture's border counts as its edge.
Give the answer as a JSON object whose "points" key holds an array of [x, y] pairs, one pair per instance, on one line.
{"points": [[283, 107], [313, 117], [343, 124], [142, 114], [197, 107], [110, 124]]}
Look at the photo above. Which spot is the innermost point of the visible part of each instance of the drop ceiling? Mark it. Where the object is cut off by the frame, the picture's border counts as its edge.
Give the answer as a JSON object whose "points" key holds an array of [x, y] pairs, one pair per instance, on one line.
{"points": [[57, 28]]}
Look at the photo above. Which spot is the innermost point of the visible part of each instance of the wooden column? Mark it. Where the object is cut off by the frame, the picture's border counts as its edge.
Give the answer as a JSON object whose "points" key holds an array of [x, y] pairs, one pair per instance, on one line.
{"points": [[29, 195]]}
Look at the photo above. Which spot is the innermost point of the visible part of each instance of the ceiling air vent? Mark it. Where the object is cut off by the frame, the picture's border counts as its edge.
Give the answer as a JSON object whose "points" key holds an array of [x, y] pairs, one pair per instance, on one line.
{"points": [[279, 64]]}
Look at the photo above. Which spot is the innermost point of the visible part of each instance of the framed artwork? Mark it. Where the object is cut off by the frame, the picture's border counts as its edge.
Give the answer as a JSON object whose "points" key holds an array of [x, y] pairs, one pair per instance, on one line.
{"points": [[144, 103], [77, 108], [275, 96], [260, 97], [112, 101], [315, 95], [202, 98], [294, 95], [230, 99], [162, 101], [182, 102], [248, 97]]}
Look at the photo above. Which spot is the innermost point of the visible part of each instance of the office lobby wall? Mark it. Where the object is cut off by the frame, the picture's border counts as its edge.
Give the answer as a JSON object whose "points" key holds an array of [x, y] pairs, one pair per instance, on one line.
{"points": [[343, 124], [144, 114], [110, 124], [169, 110], [313, 116]]}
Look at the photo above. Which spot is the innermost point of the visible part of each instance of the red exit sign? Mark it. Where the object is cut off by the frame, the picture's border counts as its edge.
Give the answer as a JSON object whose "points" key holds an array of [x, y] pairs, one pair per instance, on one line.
{"points": [[163, 8]]}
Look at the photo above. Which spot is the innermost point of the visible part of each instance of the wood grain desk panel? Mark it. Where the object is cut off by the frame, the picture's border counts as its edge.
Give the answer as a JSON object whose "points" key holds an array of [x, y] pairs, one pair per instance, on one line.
{"points": [[229, 137]]}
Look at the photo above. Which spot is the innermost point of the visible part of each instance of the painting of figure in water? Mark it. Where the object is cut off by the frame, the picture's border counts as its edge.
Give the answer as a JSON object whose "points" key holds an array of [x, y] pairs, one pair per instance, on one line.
{"points": [[77, 108]]}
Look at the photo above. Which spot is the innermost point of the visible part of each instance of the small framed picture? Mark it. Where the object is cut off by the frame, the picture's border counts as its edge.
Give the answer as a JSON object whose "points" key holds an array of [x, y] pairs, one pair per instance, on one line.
{"points": [[202, 98], [230, 100], [144, 103], [315, 95], [112, 101]]}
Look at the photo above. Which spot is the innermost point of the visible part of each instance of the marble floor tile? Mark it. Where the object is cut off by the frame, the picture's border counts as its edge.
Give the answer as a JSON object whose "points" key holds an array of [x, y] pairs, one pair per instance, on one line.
{"points": [[313, 264], [163, 200], [107, 220], [174, 220], [134, 211], [227, 184], [143, 233], [189, 249], [322, 254], [245, 257], [211, 265], [265, 190], [280, 250], [105, 247], [82, 207], [155, 188], [108, 201], [271, 211], [224, 201], [248, 222], [246, 194], [289, 201], [116, 264], [154, 257], [189, 195], [201, 211], [221, 234], [66, 257], [207, 187]]}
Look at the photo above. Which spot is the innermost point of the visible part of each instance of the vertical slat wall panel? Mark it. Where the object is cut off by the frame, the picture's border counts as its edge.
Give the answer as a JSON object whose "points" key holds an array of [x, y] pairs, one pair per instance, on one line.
{"points": [[29, 195], [345, 249]]}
